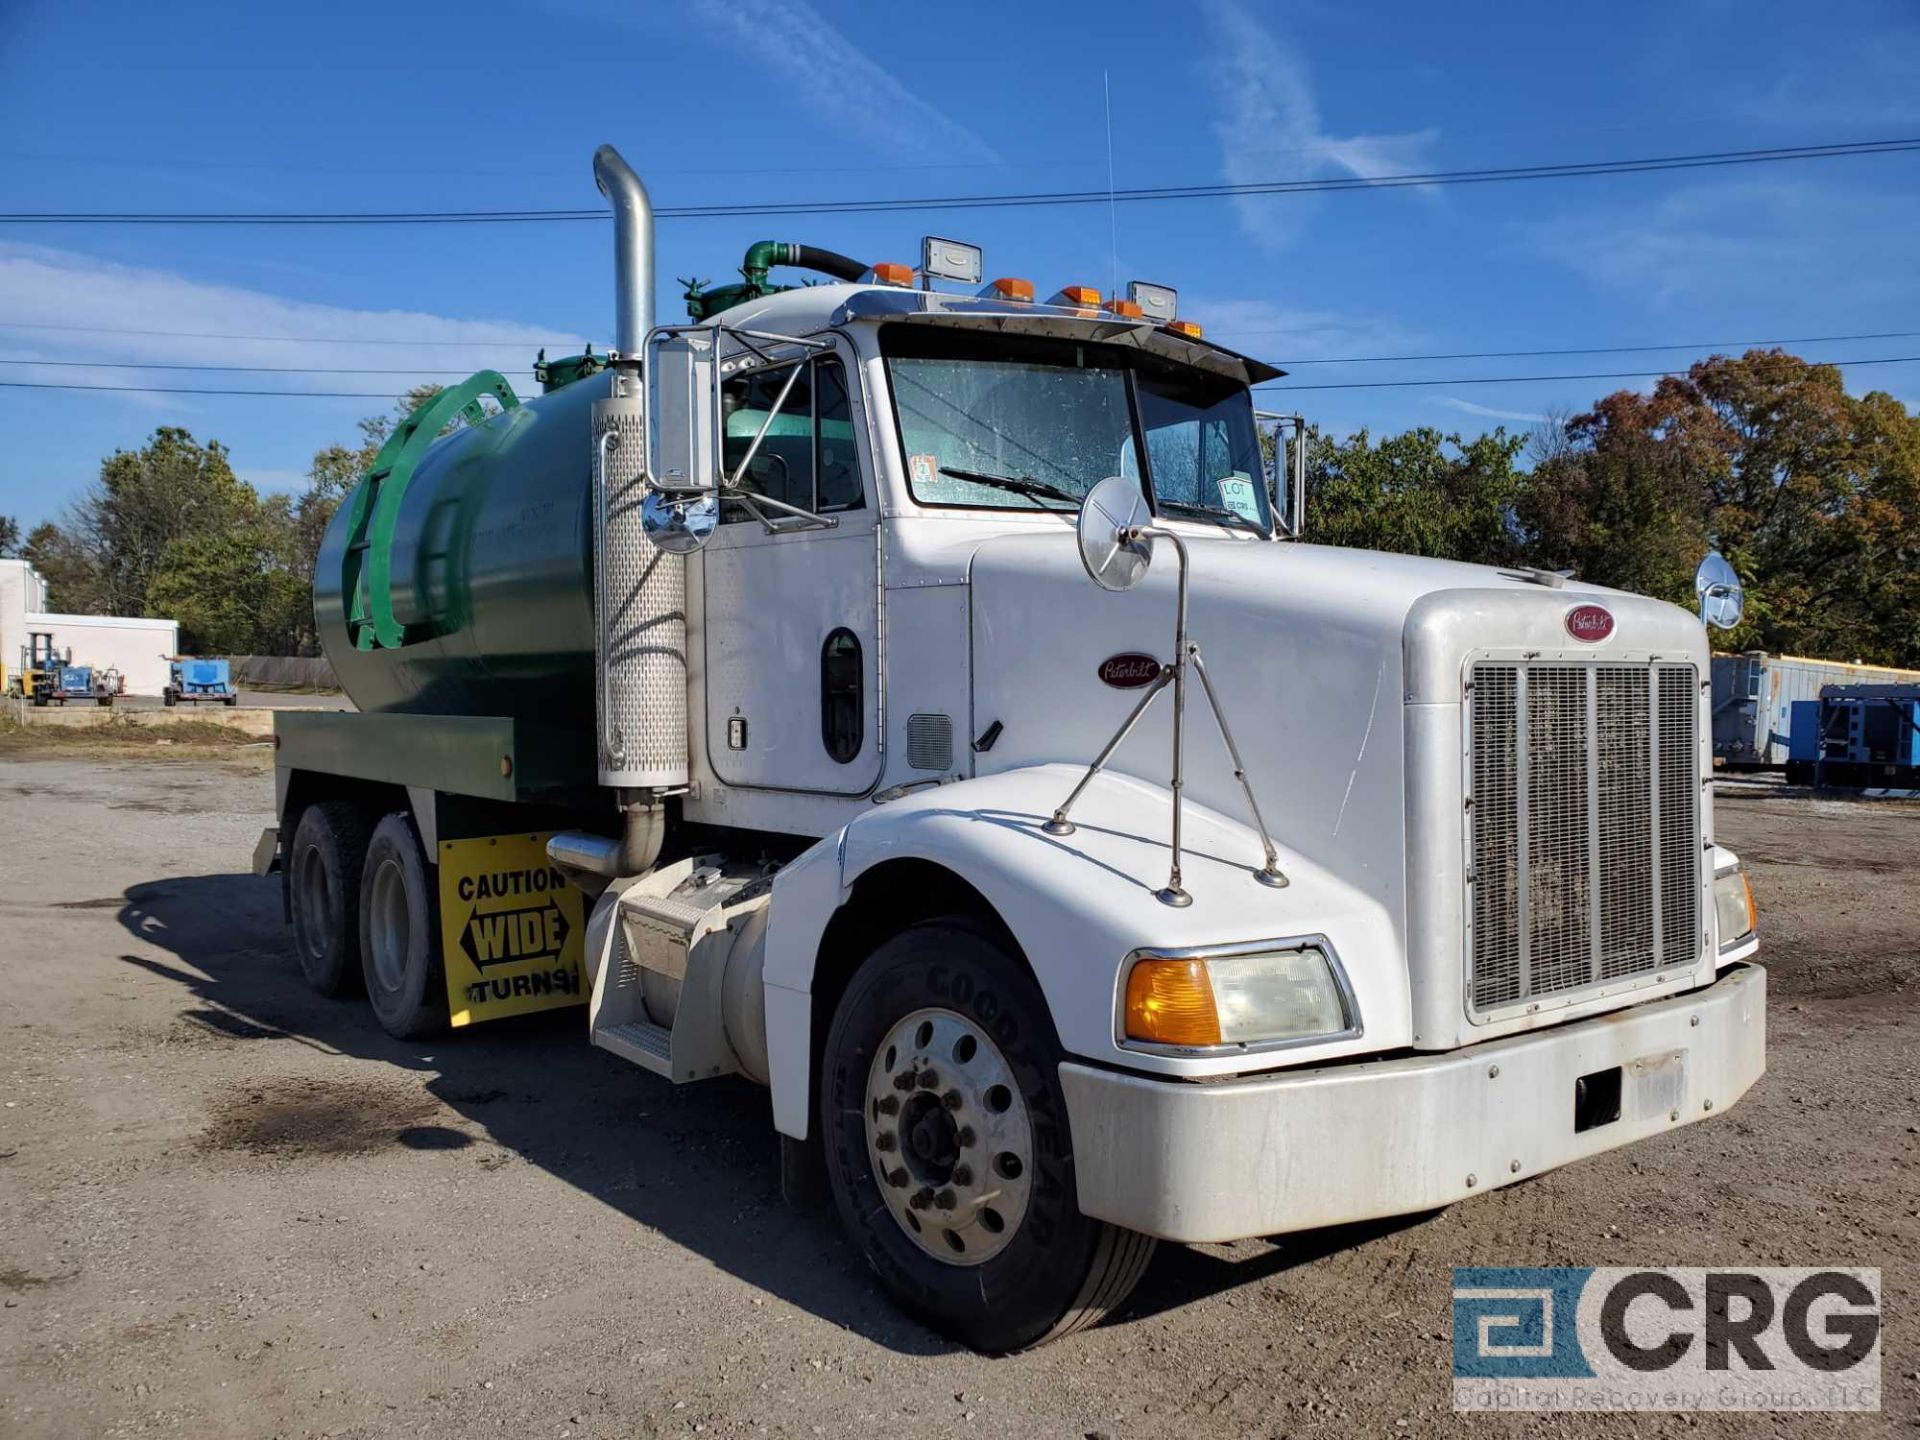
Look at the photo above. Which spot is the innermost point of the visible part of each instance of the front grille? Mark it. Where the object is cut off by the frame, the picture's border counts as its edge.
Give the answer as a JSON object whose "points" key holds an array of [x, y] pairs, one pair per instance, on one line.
{"points": [[1585, 826]]}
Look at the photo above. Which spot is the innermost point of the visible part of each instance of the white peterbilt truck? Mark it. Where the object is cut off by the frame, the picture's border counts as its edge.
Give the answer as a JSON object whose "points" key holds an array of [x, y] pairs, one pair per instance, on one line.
{"points": [[805, 691]]}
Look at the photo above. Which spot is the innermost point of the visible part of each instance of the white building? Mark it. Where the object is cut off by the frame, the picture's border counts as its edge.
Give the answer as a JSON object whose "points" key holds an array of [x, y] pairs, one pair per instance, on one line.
{"points": [[137, 648]]}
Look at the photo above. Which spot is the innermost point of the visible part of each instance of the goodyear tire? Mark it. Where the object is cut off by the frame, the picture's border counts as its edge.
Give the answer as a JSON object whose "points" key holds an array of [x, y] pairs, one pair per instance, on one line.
{"points": [[323, 891], [948, 1147], [400, 933]]}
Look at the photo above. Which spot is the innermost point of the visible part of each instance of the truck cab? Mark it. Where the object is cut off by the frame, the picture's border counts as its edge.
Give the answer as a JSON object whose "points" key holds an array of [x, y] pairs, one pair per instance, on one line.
{"points": [[973, 752]]}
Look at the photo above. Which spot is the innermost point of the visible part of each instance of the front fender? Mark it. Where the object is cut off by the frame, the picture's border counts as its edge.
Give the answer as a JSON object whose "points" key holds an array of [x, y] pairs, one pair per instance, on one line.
{"points": [[1078, 905]]}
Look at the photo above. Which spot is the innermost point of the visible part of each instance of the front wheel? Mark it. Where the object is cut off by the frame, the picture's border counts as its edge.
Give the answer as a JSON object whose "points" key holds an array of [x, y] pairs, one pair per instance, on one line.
{"points": [[949, 1149]]}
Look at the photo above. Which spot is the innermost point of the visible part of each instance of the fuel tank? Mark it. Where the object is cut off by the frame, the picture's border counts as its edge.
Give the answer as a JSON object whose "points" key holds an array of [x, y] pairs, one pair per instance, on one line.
{"points": [[492, 560]]}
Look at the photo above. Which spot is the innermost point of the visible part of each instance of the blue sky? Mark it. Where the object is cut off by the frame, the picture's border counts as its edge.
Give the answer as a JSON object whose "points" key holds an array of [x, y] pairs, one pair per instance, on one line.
{"points": [[416, 106]]}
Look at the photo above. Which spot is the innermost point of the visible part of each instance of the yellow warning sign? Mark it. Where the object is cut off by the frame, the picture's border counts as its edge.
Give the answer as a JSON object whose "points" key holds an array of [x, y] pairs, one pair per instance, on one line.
{"points": [[512, 929]]}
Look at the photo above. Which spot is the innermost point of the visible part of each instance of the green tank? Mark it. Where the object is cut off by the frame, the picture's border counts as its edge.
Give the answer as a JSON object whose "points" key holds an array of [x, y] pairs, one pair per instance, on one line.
{"points": [[490, 566]]}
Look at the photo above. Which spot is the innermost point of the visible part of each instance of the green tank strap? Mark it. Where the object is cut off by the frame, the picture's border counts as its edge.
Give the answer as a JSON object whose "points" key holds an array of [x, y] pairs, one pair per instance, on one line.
{"points": [[367, 574]]}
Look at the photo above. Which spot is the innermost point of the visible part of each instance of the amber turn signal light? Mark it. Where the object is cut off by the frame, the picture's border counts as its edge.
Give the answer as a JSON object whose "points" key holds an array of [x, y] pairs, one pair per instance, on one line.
{"points": [[1170, 1002]]}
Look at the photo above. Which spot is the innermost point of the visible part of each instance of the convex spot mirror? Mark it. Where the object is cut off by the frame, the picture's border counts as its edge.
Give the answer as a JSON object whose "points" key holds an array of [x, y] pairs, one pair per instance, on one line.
{"points": [[1718, 589], [679, 524], [1114, 555]]}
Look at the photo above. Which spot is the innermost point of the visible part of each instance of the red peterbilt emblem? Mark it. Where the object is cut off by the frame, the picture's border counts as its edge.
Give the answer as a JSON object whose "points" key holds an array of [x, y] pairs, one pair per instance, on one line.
{"points": [[1589, 623], [1129, 672]]}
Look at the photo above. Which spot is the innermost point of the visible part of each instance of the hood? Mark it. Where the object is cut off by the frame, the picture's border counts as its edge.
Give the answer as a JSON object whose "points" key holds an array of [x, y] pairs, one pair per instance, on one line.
{"points": [[1332, 667]]}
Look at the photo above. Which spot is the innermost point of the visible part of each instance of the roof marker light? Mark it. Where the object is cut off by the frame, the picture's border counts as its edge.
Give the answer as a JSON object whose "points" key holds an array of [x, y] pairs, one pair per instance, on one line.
{"points": [[1188, 328], [1125, 309], [888, 273], [1156, 302], [1083, 296], [951, 260], [1008, 288]]}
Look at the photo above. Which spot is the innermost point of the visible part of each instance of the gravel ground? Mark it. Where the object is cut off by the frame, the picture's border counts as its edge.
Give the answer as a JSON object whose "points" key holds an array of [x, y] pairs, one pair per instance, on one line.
{"points": [[228, 1207]]}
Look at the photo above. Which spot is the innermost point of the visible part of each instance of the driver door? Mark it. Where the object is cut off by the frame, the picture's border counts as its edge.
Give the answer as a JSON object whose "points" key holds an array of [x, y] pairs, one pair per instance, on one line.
{"points": [[792, 616]]}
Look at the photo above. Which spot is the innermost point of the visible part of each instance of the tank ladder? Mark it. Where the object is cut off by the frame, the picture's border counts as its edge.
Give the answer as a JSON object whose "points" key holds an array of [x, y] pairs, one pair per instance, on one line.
{"points": [[366, 580]]}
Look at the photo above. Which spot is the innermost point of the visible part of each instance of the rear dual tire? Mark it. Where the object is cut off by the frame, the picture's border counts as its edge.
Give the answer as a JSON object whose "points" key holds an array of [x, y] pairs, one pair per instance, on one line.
{"points": [[949, 1150], [365, 916]]}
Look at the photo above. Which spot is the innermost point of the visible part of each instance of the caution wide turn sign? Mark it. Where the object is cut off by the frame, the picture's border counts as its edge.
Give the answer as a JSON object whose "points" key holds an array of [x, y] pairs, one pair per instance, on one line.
{"points": [[512, 929]]}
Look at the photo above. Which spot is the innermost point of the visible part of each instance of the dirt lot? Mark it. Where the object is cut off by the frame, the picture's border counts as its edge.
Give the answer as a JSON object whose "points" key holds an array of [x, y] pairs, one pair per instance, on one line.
{"points": [[229, 1207]]}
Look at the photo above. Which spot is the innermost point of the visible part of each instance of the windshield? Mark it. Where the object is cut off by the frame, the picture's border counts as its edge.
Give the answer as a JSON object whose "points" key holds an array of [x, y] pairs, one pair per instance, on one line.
{"points": [[1023, 422]]}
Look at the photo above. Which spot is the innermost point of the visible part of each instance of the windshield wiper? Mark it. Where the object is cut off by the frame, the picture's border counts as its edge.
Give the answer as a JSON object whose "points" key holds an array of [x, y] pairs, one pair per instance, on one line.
{"points": [[1016, 484], [1224, 516]]}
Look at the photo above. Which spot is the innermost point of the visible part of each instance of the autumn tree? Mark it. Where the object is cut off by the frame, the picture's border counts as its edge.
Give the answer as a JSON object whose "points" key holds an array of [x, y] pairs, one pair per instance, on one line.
{"points": [[1419, 493]]}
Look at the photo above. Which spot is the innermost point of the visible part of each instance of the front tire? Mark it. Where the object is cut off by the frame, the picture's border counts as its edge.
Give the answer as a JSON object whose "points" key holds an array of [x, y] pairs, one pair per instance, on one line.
{"points": [[949, 1150], [400, 934]]}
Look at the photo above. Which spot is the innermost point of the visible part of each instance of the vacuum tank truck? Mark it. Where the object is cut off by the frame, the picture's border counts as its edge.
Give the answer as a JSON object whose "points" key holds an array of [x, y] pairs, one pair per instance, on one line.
{"points": [[913, 695]]}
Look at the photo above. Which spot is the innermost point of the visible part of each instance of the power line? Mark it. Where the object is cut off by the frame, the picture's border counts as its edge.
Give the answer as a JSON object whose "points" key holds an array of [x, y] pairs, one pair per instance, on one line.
{"points": [[1488, 175], [1539, 379], [1585, 350], [1349, 385], [235, 369], [284, 339]]}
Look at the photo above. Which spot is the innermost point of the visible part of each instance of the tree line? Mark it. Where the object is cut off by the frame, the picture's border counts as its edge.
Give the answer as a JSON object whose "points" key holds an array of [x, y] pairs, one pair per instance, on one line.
{"points": [[1813, 494]]}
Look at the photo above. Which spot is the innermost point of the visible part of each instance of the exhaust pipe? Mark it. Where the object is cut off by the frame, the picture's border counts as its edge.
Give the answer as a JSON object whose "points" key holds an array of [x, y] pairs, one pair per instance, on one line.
{"points": [[632, 250]]}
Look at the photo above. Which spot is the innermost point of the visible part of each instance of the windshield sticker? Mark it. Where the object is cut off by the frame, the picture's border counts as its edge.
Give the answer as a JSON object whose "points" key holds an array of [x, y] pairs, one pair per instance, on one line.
{"points": [[1238, 495], [922, 469]]}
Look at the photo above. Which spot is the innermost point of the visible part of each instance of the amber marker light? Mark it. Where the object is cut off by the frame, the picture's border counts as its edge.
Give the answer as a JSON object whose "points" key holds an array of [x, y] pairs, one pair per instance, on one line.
{"points": [[1126, 309], [1082, 295], [888, 273], [1170, 1002], [1009, 288], [1188, 328]]}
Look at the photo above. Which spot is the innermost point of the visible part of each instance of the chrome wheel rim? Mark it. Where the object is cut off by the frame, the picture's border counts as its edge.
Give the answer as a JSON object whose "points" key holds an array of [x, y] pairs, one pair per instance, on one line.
{"points": [[949, 1137], [314, 913], [391, 925]]}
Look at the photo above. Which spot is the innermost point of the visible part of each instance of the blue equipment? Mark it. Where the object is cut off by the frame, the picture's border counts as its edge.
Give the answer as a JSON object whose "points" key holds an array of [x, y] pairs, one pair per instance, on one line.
{"points": [[198, 680], [75, 682], [1858, 736]]}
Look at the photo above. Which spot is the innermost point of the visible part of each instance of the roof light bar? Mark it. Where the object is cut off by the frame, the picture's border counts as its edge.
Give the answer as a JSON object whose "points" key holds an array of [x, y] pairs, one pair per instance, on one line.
{"points": [[951, 260], [1157, 302]]}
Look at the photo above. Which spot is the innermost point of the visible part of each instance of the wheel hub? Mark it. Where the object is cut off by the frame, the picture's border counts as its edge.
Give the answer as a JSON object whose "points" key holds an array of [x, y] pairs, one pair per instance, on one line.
{"points": [[949, 1136]]}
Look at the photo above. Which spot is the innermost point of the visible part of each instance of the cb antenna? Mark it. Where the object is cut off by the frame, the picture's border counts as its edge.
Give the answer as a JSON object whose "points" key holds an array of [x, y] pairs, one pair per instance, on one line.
{"points": [[1113, 205]]}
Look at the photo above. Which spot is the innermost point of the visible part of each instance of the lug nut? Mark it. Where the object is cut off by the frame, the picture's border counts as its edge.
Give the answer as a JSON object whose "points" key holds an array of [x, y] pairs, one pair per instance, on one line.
{"points": [[966, 1136], [904, 1080], [944, 1200], [884, 1140], [929, 1080], [921, 1199], [963, 1175], [888, 1105], [951, 1100], [897, 1177]]}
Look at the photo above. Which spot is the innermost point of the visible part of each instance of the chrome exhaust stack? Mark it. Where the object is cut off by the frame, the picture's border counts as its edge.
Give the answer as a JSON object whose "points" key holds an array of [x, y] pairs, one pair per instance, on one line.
{"points": [[632, 250]]}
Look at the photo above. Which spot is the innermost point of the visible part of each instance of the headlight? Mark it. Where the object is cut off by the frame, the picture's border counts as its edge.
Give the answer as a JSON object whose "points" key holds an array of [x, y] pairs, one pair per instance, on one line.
{"points": [[1733, 906], [1253, 997]]}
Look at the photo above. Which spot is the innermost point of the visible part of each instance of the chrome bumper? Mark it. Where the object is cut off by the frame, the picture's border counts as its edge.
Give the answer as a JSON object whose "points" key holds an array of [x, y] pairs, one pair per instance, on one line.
{"points": [[1296, 1150]]}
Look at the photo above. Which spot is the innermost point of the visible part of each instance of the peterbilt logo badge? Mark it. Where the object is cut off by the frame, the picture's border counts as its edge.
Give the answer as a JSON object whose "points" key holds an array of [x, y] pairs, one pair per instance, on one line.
{"points": [[1589, 623], [1129, 672]]}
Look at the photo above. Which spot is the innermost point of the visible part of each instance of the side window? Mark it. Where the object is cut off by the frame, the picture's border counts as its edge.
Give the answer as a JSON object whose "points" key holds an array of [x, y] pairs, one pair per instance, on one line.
{"points": [[807, 458], [841, 722]]}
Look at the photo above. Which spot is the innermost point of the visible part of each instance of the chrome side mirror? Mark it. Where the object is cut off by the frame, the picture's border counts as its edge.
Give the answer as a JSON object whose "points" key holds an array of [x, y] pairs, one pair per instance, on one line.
{"points": [[1114, 553], [679, 524], [1718, 591]]}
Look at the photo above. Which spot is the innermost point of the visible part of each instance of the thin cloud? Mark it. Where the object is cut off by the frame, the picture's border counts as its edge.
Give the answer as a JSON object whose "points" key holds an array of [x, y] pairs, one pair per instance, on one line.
{"points": [[1454, 402], [1284, 335], [1266, 105], [833, 79], [93, 309]]}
